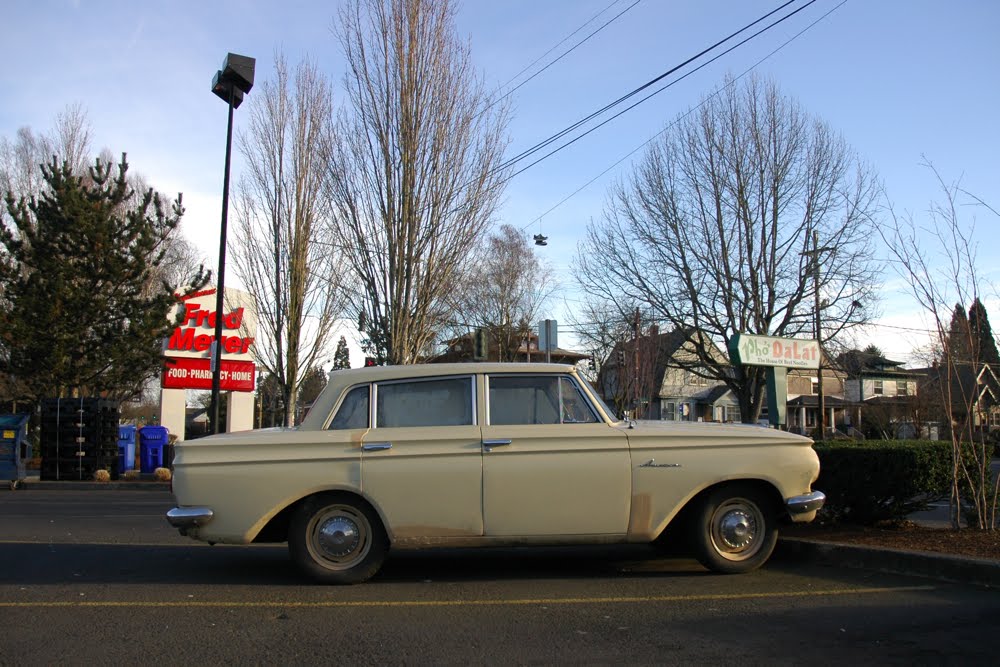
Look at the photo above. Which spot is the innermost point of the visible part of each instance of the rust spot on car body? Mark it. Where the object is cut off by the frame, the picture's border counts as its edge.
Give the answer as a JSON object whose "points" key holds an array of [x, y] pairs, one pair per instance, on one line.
{"points": [[430, 535], [641, 515]]}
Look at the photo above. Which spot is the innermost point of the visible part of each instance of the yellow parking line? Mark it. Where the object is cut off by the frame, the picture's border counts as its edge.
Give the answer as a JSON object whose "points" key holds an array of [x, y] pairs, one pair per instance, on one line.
{"points": [[256, 604], [180, 543]]}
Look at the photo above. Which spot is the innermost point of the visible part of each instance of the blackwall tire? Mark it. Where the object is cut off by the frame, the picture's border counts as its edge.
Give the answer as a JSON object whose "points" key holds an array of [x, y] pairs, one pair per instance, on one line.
{"points": [[337, 539], [735, 530]]}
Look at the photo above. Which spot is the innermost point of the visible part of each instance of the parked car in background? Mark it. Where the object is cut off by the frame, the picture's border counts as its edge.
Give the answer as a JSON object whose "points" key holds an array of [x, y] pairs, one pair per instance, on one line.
{"points": [[485, 454]]}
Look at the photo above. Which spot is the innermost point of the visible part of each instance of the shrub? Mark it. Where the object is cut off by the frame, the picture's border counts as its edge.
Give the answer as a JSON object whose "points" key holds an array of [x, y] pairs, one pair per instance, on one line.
{"points": [[102, 476], [881, 480], [161, 474], [131, 475]]}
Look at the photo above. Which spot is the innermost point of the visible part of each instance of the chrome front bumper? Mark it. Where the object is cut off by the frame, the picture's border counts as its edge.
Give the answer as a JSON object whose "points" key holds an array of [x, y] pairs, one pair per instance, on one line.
{"points": [[806, 503], [186, 518]]}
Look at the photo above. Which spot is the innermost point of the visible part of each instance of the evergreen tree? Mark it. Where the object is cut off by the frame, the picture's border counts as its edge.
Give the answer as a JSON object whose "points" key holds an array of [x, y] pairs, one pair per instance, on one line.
{"points": [[342, 357], [875, 351], [985, 345], [82, 313], [959, 342], [313, 383]]}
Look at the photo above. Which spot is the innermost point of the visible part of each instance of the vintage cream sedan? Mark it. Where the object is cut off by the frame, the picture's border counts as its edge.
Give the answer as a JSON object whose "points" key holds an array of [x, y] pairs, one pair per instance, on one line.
{"points": [[483, 454]]}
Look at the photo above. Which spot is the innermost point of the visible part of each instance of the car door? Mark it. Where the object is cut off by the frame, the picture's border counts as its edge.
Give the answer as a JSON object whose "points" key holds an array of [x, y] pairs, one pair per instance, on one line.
{"points": [[551, 466], [421, 462]]}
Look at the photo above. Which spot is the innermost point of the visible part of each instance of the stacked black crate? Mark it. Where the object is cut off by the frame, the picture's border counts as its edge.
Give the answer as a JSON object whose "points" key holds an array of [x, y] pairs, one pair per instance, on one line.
{"points": [[79, 436]]}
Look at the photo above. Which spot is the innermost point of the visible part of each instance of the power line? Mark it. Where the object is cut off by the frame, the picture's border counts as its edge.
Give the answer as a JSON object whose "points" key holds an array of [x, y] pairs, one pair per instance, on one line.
{"points": [[565, 53], [659, 90], [676, 120], [542, 144]]}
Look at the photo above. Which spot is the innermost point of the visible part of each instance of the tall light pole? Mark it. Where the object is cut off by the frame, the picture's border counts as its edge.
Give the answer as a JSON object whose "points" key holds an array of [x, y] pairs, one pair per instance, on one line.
{"points": [[230, 83]]}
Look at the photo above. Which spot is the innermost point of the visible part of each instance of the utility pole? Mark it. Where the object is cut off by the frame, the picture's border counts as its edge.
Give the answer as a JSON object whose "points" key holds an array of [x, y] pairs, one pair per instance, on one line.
{"points": [[814, 257], [635, 355]]}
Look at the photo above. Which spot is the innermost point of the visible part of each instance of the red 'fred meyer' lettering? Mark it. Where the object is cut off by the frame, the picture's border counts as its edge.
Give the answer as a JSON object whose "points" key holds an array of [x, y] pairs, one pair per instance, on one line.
{"points": [[195, 315], [186, 339]]}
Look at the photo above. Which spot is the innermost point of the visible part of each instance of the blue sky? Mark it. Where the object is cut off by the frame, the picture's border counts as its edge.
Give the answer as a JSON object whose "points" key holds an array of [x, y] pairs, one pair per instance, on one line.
{"points": [[899, 79]]}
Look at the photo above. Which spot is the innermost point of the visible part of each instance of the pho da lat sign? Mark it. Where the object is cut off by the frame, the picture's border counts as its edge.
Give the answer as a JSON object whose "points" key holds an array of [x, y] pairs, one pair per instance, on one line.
{"points": [[752, 350], [777, 355], [188, 350]]}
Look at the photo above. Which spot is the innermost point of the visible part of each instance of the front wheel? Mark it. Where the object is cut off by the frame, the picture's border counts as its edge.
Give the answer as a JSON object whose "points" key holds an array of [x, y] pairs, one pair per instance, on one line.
{"points": [[337, 539], [735, 530]]}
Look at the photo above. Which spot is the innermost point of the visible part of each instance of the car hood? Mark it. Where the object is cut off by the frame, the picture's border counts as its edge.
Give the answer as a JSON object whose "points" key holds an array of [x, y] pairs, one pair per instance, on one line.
{"points": [[707, 433]]}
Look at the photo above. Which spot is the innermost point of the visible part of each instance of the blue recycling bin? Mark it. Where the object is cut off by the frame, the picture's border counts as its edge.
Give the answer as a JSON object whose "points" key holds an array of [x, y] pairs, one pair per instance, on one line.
{"points": [[152, 447], [126, 447], [14, 448]]}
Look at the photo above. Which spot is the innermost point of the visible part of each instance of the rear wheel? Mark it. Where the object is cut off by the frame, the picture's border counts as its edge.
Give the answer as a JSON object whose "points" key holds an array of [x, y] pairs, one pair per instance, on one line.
{"points": [[337, 539], [735, 529]]}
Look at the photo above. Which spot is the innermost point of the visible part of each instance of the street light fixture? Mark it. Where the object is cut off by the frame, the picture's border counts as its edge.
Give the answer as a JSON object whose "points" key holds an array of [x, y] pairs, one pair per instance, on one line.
{"points": [[230, 83]]}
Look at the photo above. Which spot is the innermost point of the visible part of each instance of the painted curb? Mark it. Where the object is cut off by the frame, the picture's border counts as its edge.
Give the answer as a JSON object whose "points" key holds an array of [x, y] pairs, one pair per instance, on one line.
{"points": [[954, 569]]}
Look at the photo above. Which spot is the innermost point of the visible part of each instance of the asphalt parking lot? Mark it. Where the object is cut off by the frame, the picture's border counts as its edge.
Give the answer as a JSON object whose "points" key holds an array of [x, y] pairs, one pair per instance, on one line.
{"points": [[100, 576]]}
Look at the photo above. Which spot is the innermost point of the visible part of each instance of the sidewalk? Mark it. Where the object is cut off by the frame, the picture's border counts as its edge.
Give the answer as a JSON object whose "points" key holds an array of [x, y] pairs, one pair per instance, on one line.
{"points": [[144, 483]]}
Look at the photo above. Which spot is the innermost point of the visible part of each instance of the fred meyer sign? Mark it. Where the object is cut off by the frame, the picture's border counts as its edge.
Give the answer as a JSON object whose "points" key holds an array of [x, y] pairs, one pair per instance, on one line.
{"points": [[770, 351], [193, 373], [188, 348]]}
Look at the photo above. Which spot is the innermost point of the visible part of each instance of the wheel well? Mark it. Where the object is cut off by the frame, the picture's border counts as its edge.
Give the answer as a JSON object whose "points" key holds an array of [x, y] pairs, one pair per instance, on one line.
{"points": [[677, 530], [276, 530]]}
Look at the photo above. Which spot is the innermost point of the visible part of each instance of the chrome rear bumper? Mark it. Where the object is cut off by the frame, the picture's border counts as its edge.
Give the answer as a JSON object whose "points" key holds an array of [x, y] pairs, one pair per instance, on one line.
{"points": [[185, 518], [809, 502]]}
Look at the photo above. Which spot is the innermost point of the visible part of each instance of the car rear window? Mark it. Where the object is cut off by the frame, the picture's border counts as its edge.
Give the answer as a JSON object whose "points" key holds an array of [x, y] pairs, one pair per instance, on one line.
{"points": [[435, 402]]}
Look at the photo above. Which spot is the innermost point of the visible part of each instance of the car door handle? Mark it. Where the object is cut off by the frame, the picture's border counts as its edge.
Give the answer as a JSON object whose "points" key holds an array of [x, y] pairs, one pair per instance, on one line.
{"points": [[376, 446], [488, 445]]}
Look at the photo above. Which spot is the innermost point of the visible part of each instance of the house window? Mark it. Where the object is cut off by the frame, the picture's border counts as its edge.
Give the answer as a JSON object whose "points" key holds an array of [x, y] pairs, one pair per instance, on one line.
{"points": [[669, 411], [902, 388], [733, 413], [877, 387], [815, 386], [696, 380]]}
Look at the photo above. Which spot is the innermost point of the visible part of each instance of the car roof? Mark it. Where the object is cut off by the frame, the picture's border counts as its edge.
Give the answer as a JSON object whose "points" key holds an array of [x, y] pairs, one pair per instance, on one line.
{"points": [[339, 380]]}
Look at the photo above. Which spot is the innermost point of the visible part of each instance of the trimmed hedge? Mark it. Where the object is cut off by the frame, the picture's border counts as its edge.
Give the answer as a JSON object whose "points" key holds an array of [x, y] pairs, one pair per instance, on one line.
{"points": [[881, 480]]}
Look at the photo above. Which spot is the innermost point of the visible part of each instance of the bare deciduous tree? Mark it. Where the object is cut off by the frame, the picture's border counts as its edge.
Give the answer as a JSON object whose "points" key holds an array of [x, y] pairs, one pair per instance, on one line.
{"points": [[69, 140], [504, 289], [937, 279], [283, 252], [599, 326], [415, 175], [710, 234]]}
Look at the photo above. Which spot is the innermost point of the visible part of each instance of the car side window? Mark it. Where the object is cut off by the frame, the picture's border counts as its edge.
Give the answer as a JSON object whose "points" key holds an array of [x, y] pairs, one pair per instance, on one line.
{"points": [[437, 402], [537, 399], [575, 409], [353, 411]]}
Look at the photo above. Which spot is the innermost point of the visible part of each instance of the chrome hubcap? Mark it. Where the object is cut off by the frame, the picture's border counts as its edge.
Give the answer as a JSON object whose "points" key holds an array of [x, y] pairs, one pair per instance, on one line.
{"points": [[736, 530], [737, 525], [338, 537]]}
